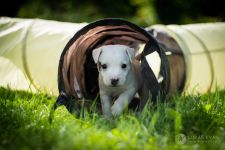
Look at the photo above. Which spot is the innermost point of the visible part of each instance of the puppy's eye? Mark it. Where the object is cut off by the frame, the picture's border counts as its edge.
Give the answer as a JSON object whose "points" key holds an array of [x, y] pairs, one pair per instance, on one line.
{"points": [[104, 66], [123, 66]]}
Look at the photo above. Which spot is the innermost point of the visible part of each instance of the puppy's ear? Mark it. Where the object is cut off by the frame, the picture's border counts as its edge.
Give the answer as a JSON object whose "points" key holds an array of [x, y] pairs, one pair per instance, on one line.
{"points": [[131, 54], [96, 53]]}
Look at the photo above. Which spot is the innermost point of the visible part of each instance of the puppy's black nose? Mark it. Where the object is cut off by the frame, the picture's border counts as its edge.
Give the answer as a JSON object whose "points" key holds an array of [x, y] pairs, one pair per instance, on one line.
{"points": [[114, 81]]}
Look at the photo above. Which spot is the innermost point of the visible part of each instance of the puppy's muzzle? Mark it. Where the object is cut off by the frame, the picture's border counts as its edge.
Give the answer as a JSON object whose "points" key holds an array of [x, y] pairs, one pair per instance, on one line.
{"points": [[114, 81]]}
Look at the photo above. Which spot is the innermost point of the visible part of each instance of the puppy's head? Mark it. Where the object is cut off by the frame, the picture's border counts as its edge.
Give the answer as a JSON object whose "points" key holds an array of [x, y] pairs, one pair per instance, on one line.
{"points": [[114, 63]]}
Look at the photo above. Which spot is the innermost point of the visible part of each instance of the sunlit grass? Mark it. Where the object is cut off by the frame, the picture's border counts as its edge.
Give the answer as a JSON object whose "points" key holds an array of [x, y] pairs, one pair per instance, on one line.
{"points": [[24, 124]]}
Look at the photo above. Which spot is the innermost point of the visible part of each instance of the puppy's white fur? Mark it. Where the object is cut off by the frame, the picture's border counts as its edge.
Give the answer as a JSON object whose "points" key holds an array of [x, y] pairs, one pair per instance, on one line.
{"points": [[119, 77]]}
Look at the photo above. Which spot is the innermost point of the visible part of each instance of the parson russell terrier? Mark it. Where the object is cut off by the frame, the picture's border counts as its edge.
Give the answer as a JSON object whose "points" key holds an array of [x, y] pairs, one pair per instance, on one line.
{"points": [[119, 78]]}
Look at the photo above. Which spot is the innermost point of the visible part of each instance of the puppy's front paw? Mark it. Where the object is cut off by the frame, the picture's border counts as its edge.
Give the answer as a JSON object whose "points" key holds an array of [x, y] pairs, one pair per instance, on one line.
{"points": [[107, 115], [116, 110]]}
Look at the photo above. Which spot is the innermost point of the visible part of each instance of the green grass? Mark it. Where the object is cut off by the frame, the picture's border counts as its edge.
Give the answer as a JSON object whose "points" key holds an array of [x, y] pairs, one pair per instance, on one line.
{"points": [[24, 124]]}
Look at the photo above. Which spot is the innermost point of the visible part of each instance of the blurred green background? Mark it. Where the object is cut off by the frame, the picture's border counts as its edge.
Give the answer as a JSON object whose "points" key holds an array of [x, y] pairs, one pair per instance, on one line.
{"points": [[141, 12]]}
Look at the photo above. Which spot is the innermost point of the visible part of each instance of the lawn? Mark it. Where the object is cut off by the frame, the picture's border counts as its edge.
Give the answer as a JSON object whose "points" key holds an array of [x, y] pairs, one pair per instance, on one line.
{"points": [[183, 122]]}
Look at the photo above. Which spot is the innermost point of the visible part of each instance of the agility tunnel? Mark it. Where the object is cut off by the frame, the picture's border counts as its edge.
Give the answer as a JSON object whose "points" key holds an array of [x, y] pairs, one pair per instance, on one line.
{"points": [[37, 55], [203, 46], [30, 51]]}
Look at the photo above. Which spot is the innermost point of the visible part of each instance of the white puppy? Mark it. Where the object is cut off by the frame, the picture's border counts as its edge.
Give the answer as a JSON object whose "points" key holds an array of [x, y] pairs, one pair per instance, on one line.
{"points": [[119, 77]]}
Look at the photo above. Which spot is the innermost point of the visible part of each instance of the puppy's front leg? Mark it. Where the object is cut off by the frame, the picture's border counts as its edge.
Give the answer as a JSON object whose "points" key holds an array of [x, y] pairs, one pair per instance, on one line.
{"points": [[123, 101], [106, 104]]}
